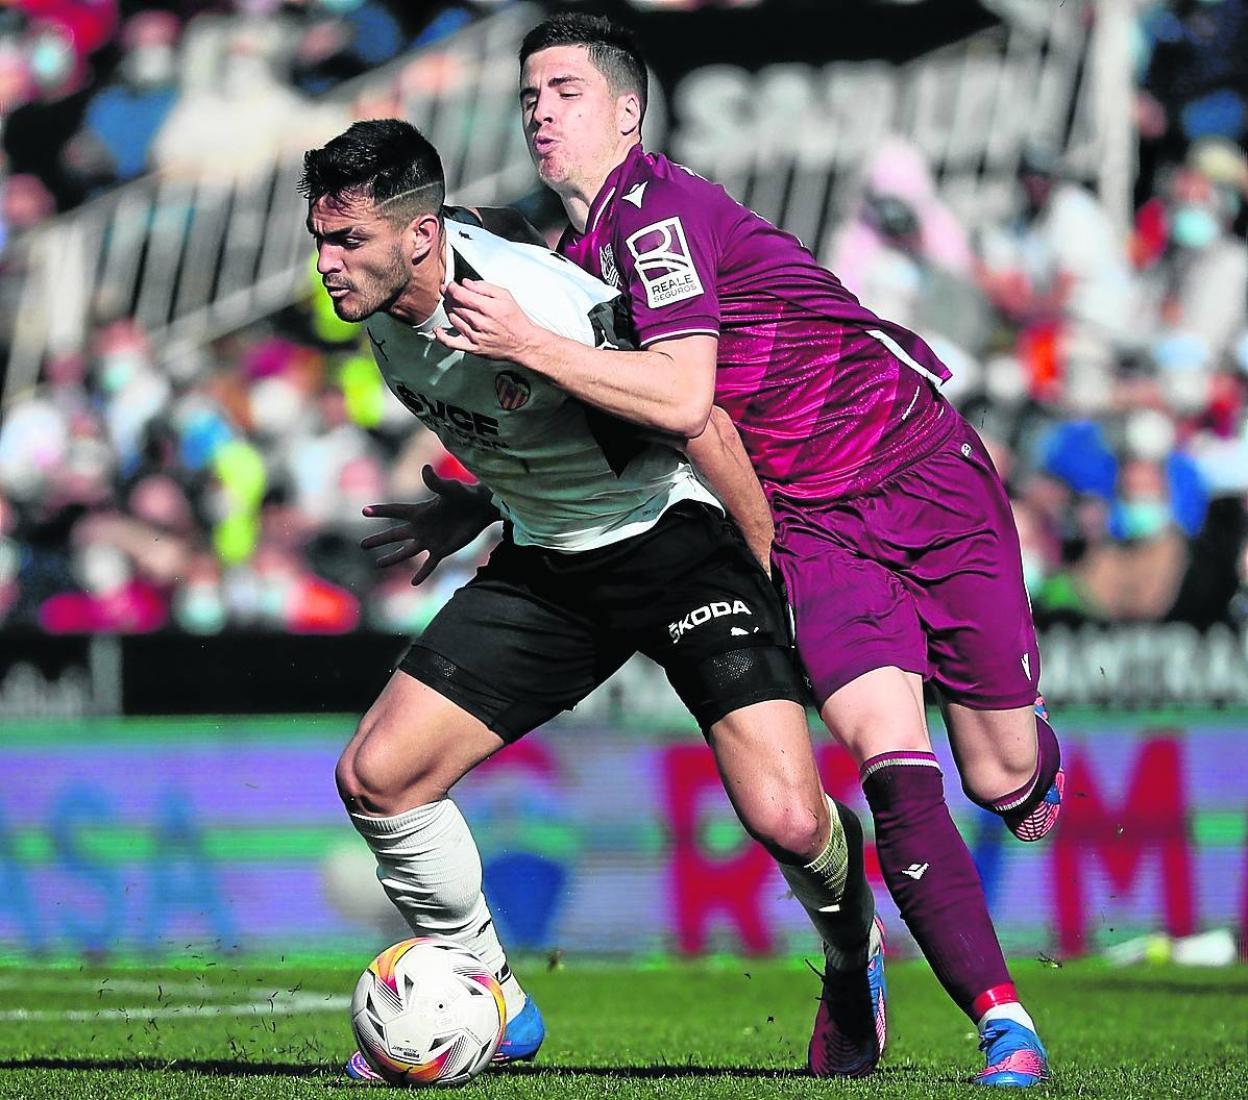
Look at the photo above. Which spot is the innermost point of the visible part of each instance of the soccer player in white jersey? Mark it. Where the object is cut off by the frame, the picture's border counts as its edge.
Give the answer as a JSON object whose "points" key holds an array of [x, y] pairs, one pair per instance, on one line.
{"points": [[611, 546]]}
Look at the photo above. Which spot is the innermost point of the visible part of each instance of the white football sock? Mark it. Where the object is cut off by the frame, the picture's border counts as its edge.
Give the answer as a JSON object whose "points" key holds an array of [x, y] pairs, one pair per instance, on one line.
{"points": [[1011, 1010], [431, 869]]}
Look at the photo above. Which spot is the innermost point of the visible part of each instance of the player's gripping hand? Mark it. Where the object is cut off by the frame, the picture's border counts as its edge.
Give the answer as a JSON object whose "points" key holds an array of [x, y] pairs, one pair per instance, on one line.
{"points": [[436, 527], [487, 321]]}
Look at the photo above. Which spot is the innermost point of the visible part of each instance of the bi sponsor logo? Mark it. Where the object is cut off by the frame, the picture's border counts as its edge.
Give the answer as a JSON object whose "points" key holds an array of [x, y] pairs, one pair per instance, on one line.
{"points": [[664, 263]]}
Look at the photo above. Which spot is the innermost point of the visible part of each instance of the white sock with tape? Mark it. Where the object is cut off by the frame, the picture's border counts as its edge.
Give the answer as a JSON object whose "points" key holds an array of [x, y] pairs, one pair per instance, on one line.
{"points": [[431, 869]]}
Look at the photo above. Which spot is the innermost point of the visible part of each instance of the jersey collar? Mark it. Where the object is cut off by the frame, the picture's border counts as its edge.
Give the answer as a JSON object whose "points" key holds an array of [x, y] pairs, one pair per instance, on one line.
{"points": [[611, 185], [456, 269]]}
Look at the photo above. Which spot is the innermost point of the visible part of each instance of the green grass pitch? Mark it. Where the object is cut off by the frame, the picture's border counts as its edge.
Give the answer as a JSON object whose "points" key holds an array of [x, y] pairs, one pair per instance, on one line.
{"points": [[712, 1029]]}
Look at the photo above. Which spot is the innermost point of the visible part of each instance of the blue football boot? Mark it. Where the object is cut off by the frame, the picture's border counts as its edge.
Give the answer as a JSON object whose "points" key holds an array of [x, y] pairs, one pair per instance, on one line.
{"points": [[523, 1037], [1016, 1057], [521, 1041]]}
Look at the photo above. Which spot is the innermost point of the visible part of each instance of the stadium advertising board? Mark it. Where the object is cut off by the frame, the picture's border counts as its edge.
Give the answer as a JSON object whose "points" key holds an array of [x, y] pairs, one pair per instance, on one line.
{"points": [[1130, 667], [202, 836]]}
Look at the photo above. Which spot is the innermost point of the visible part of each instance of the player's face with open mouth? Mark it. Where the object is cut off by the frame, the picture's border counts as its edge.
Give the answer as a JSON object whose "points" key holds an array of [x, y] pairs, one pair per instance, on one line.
{"points": [[359, 256], [570, 119]]}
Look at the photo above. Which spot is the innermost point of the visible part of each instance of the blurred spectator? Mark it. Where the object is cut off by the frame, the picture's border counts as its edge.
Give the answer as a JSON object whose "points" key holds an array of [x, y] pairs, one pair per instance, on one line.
{"points": [[49, 111], [1124, 533], [1059, 271], [293, 598], [1199, 288], [16, 82], [905, 256], [24, 203], [240, 117], [1196, 70], [1136, 571], [345, 38], [123, 117], [156, 532], [199, 603], [86, 26], [899, 172], [134, 392], [111, 598], [34, 438], [902, 283]]}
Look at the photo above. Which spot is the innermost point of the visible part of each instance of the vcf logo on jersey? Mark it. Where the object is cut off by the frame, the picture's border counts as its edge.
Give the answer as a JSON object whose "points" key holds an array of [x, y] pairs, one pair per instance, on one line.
{"points": [[664, 263], [718, 610], [513, 391]]}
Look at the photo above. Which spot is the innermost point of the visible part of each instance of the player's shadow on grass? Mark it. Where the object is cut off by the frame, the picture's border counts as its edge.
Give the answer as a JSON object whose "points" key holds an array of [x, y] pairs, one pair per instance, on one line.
{"points": [[212, 1067], [685, 1070], [332, 1074], [894, 1072]]}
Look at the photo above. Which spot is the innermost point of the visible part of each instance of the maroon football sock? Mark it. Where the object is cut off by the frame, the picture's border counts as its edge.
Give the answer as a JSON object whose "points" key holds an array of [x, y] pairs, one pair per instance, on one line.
{"points": [[930, 874], [1018, 804]]}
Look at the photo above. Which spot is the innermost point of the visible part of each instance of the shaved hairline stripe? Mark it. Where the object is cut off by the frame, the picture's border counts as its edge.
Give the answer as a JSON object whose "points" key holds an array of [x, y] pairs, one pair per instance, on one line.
{"points": [[379, 203]]}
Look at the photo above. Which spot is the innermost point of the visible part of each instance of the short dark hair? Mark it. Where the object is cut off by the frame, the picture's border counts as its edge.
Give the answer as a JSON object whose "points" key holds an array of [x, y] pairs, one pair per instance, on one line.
{"points": [[613, 49], [384, 160]]}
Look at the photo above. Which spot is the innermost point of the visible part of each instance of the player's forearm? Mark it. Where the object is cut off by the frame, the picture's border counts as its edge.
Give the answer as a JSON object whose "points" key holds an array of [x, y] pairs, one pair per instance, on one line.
{"points": [[645, 387], [720, 458]]}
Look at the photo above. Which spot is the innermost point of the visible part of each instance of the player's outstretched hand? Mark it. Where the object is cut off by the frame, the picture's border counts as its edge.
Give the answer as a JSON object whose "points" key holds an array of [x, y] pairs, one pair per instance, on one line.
{"points": [[436, 527], [487, 321]]}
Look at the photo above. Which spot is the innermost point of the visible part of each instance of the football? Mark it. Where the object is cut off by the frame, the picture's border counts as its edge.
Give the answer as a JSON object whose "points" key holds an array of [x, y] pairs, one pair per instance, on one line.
{"points": [[428, 1012]]}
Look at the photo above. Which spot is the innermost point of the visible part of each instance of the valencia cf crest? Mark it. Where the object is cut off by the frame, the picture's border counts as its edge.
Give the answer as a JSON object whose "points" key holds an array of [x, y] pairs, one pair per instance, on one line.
{"points": [[513, 391]]}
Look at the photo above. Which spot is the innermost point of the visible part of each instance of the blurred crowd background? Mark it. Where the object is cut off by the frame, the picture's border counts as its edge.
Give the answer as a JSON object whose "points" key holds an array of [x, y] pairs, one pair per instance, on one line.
{"points": [[1107, 370]]}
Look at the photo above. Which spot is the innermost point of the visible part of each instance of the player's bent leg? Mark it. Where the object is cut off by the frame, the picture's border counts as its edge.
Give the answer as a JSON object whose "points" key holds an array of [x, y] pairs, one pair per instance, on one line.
{"points": [[877, 712], [925, 862], [765, 759], [764, 756], [749, 699], [1010, 763], [409, 750]]}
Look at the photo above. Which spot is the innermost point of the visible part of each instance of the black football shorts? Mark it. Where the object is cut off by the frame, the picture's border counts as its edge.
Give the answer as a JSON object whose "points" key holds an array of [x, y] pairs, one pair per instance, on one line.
{"points": [[537, 630]]}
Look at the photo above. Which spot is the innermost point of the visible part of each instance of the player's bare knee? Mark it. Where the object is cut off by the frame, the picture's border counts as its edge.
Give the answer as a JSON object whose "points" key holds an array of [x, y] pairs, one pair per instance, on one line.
{"points": [[344, 777], [350, 788], [372, 782], [790, 831], [373, 778], [987, 781], [363, 784]]}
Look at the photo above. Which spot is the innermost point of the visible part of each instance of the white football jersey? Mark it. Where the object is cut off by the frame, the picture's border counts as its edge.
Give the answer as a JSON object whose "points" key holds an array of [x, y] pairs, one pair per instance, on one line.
{"points": [[568, 477]]}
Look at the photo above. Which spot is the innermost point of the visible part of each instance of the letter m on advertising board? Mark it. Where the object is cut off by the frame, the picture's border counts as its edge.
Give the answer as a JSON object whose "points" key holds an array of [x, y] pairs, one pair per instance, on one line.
{"points": [[1149, 825]]}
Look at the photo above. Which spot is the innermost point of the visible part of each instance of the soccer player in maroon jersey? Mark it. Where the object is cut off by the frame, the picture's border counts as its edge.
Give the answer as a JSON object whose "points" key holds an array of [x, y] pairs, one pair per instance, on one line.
{"points": [[892, 530]]}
